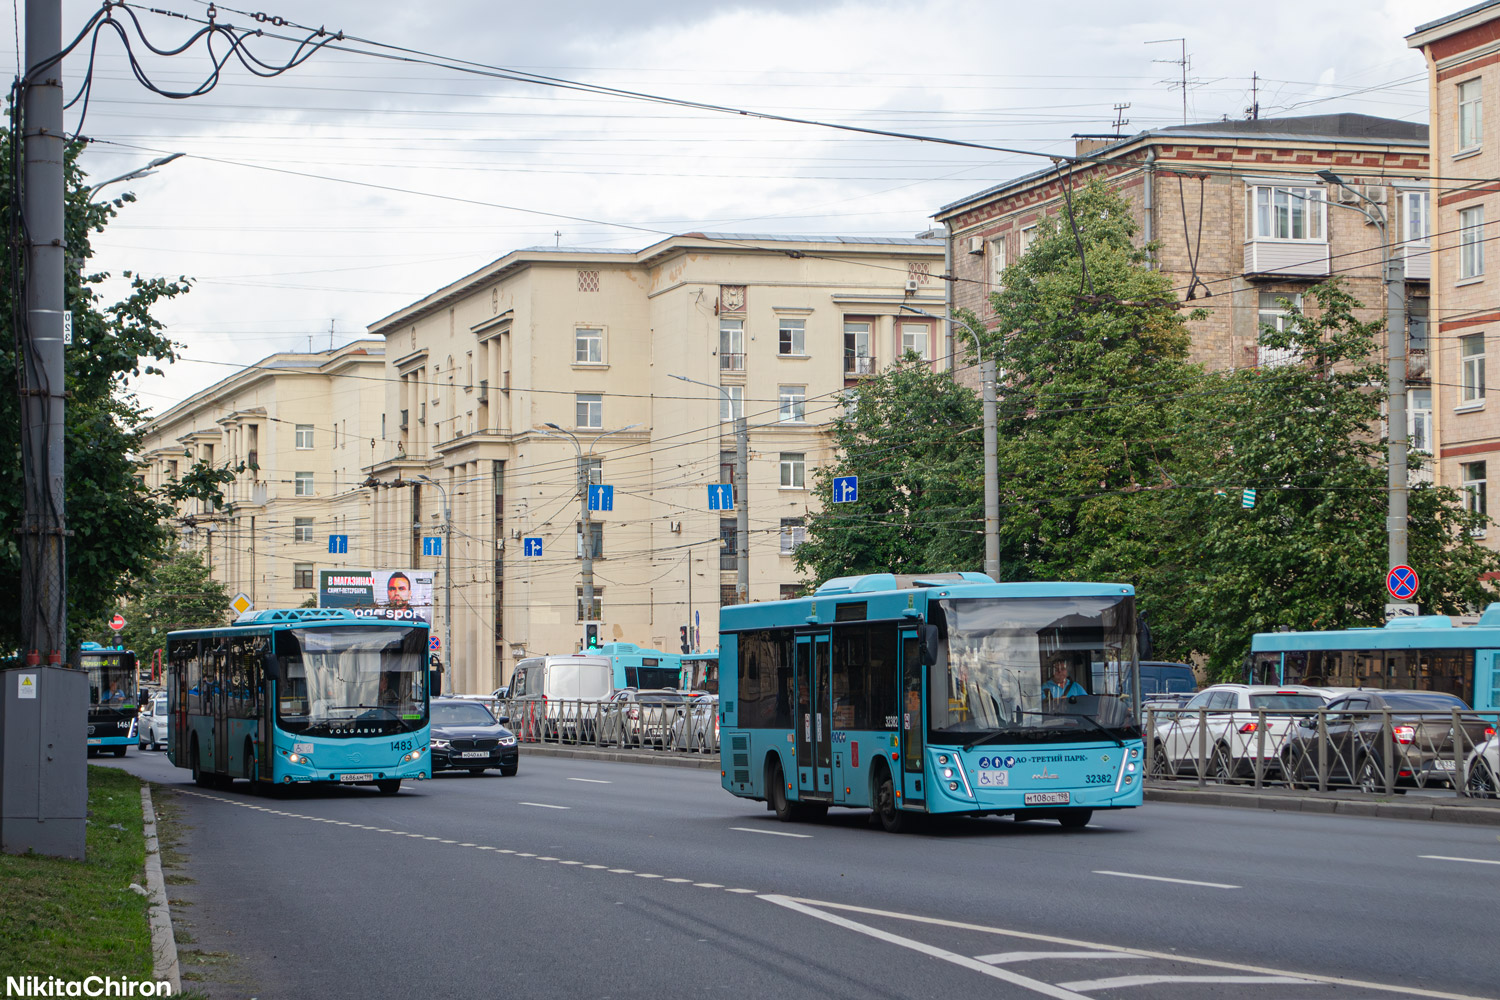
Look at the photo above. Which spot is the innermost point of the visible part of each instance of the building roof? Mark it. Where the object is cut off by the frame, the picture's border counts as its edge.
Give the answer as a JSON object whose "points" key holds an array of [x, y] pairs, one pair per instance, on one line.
{"points": [[1455, 16]]}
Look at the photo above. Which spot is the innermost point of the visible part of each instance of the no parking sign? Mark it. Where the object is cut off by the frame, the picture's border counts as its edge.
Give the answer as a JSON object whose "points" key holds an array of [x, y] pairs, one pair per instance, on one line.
{"points": [[1402, 582]]}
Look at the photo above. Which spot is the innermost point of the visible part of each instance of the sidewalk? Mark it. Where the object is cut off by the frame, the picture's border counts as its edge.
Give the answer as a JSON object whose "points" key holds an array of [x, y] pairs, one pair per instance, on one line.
{"points": [[1444, 809]]}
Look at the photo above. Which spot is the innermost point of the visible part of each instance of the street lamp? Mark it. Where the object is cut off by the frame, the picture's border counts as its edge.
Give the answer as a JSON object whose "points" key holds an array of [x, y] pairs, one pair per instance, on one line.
{"points": [[991, 463], [447, 570], [1393, 275], [586, 540], [145, 171], [742, 501]]}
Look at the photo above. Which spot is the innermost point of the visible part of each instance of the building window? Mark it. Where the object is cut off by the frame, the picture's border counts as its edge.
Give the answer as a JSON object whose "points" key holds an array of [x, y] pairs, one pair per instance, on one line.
{"points": [[793, 336], [1471, 350], [1276, 314], [592, 469], [588, 346], [1470, 115], [596, 532], [727, 463], [596, 613], [1475, 482], [1414, 217], [729, 544], [1419, 420], [590, 409], [793, 409], [1416, 322], [729, 595], [1028, 237], [914, 337], [850, 399], [732, 402], [1288, 213], [172, 468], [588, 281], [793, 471], [304, 437], [302, 529], [732, 345], [857, 359], [1471, 242], [302, 484], [793, 534], [791, 591], [302, 576], [997, 263]]}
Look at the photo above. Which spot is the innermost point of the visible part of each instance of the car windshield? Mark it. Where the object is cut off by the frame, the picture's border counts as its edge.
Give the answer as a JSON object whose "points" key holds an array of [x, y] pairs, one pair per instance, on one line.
{"points": [[360, 680], [1425, 702], [459, 714], [1048, 669], [1286, 702]]}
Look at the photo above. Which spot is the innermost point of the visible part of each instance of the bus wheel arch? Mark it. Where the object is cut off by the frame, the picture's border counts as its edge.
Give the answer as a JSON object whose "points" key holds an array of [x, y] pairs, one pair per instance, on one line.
{"points": [[883, 797], [776, 797]]}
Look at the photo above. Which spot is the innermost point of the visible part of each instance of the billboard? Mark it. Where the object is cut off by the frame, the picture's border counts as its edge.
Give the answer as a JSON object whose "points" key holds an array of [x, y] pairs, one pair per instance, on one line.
{"points": [[396, 594]]}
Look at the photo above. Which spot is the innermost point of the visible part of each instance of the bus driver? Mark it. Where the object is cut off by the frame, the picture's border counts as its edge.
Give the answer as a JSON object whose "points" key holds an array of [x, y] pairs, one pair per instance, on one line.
{"points": [[1061, 686]]}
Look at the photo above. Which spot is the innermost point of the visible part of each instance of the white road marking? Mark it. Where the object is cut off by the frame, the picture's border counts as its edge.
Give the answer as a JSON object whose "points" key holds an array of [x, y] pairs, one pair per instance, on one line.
{"points": [[623, 871], [748, 891], [677, 880], [542, 805], [644, 875], [1310, 977], [964, 961], [1472, 861], [771, 833], [593, 781], [1122, 981], [1178, 881], [1006, 957], [708, 885]]}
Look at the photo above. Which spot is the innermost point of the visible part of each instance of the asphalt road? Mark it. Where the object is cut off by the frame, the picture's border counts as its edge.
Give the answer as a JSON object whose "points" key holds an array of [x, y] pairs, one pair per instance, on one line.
{"points": [[583, 879]]}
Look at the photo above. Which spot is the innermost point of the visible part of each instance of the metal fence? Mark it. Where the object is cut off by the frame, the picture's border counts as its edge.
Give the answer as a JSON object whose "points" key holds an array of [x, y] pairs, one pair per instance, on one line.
{"points": [[1386, 751], [692, 727]]}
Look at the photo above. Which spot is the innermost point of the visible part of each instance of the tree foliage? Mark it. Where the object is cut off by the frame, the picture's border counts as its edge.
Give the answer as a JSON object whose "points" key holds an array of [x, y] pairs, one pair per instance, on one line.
{"points": [[115, 521], [178, 592]]}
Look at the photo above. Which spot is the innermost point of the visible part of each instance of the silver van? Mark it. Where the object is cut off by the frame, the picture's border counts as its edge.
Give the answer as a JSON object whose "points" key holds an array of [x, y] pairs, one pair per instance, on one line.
{"points": [[554, 697]]}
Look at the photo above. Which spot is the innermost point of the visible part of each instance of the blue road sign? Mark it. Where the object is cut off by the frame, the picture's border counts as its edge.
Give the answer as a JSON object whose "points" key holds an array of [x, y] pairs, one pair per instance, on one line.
{"points": [[601, 498], [1402, 582], [721, 497], [338, 544], [432, 545], [531, 546], [845, 489]]}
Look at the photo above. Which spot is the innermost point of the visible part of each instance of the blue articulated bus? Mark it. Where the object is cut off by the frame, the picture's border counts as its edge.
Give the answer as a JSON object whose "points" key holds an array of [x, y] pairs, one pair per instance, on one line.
{"points": [[113, 697], [297, 696], [930, 695], [641, 668], [1425, 653]]}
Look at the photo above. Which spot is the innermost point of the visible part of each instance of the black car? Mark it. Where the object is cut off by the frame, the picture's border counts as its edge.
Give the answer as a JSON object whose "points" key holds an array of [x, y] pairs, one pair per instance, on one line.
{"points": [[466, 735]]}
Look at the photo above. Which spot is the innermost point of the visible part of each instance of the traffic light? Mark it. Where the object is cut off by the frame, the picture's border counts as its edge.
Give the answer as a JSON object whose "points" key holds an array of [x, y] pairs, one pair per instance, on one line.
{"points": [[687, 647], [591, 636]]}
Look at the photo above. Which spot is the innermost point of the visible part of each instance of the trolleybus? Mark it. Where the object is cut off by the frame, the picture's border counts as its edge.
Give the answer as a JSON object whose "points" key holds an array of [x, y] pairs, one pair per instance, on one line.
{"points": [[922, 695], [113, 697], [295, 696]]}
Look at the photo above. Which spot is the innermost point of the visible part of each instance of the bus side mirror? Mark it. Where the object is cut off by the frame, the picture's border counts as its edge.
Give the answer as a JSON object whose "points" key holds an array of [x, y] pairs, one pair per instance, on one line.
{"points": [[929, 641], [435, 683], [272, 666]]}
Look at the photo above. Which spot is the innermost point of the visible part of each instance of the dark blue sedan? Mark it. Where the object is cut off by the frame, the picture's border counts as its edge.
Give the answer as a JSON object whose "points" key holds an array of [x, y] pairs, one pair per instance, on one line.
{"points": [[465, 735]]}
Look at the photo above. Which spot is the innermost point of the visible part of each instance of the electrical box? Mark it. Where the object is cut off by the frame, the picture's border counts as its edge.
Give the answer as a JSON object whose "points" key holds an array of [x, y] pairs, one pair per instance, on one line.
{"points": [[43, 760]]}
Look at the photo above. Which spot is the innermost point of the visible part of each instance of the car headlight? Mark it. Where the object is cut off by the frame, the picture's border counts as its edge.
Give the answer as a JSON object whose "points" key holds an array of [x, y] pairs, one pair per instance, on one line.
{"points": [[438, 744], [415, 754], [507, 741]]}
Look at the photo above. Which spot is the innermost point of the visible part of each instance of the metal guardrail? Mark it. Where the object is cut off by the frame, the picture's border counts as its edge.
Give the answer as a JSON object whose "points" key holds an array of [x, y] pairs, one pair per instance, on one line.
{"points": [[1385, 751], [690, 727]]}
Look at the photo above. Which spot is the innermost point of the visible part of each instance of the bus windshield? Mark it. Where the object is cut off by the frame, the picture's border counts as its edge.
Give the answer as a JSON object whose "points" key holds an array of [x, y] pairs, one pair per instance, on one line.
{"points": [[1041, 668], [112, 681], [352, 681]]}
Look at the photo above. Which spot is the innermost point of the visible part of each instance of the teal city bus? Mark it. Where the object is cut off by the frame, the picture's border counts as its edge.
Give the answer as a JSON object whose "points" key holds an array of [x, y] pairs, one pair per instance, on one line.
{"points": [[300, 696], [1425, 653], [929, 695], [113, 697], [636, 667]]}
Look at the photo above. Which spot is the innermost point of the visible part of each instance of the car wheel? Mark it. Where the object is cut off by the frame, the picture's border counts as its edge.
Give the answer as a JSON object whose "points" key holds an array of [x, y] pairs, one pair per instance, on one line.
{"points": [[509, 772], [1370, 776], [892, 819], [1074, 819], [1221, 767], [1482, 783]]}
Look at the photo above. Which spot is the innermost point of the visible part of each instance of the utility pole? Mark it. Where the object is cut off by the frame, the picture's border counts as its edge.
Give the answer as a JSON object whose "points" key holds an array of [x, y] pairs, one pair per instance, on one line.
{"points": [[447, 572], [741, 491]]}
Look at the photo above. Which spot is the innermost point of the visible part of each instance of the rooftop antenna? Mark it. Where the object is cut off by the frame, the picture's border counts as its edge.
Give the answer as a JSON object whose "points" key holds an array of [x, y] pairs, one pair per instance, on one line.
{"points": [[558, 236], [1120, 120], [330, 336], [1252, 113], [1184, 62]]}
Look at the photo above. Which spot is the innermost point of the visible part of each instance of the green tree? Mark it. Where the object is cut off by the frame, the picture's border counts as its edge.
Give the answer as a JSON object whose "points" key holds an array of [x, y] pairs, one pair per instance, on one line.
{"points": [[177, 592], [115, 521], [913, 437]]}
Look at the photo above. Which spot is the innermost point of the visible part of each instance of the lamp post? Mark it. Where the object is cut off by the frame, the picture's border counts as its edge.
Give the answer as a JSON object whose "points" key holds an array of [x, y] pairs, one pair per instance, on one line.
{"points": [[447, 571], [991, 463], [586, 539], [1393, 275], [145, 171], [742, 501]]}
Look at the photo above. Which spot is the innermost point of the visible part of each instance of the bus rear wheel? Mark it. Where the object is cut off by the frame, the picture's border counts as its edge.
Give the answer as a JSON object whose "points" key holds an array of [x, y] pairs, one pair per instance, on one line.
{"points": [[199, 778], [389, 786]]}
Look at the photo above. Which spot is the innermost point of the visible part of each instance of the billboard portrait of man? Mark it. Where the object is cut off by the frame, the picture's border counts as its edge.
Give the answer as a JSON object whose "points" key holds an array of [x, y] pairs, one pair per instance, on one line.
{"points": [[403, 594]]}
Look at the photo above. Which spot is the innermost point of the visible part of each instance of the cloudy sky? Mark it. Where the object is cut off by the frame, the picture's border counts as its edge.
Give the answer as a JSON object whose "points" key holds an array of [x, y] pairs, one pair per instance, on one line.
{"points": [[309, 204]]}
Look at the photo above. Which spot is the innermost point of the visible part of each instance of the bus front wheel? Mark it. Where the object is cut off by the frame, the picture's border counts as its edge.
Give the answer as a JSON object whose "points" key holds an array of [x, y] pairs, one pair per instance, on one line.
{"points": [[892, 819], [390, 786], [1075, 819]]}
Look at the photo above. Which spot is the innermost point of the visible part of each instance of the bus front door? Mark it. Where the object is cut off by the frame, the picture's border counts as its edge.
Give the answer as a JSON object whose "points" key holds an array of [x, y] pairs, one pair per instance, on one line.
{"points": [[912, 720], [814, 738]]}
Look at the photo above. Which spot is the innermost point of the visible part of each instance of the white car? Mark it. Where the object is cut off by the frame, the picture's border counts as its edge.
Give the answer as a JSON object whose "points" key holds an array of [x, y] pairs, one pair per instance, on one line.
{"points": [[1482, 770], [1219, 730], [704, 734], [151, 724]]}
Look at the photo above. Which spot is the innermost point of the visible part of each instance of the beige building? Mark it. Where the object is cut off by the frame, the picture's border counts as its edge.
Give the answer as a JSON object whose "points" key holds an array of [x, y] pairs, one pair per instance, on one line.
{"points": [[305, 426], [1242, 220], [635, 364], [1463, 61]]}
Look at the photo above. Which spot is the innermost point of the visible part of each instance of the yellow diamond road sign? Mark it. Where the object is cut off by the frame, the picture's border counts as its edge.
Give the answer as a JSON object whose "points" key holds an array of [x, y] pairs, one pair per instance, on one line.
{"points": [[241, 604]]}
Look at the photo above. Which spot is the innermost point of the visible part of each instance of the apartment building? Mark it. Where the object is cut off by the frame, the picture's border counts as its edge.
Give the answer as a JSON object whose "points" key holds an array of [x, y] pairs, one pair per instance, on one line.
{"points": [[1463, 63], [305, 426], [1242, 220], [627, 369]]}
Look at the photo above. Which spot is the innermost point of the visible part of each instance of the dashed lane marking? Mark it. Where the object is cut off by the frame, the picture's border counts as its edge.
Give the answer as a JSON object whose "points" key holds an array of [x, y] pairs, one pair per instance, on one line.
{"points": [[771, 833], [593, 781], [1178, 881], [1472, 861], [542, 805]]}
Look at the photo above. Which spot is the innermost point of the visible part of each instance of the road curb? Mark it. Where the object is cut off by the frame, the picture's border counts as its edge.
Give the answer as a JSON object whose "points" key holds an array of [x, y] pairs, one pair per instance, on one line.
{"points": [[701, 762], [164, 964], [1466, 812]]}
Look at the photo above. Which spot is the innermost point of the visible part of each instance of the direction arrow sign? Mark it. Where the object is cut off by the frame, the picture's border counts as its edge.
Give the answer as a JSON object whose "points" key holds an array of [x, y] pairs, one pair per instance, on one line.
{"points": [[721, 497], [601, 497], [531, 546], [432, 545], [845, 489], [338, 544], [1402, 582]]}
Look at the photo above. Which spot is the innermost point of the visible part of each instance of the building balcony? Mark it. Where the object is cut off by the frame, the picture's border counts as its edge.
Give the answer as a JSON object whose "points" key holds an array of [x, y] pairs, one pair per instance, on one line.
{"points": [[858, 365], [1286, 258], [1418, 257], [731, 362]]}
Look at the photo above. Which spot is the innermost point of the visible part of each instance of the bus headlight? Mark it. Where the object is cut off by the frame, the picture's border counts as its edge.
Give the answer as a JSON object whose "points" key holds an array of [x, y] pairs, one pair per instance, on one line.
{"points": [[415, 754], [297, 758], [947, 772], [942, 758]]}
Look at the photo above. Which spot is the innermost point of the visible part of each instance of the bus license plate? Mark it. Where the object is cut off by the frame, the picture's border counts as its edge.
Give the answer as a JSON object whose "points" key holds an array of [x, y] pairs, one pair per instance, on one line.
{"points": [[994, 779], [1047, 798], [356, 777], [475, 753]]}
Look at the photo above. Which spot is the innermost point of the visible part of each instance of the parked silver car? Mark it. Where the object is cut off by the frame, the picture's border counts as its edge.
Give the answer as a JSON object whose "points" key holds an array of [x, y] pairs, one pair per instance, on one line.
{"points": [[151, 724]]}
